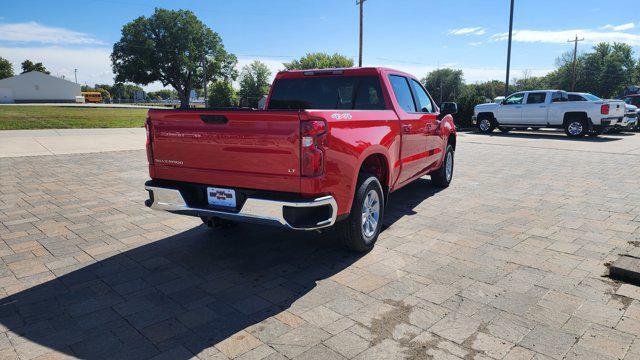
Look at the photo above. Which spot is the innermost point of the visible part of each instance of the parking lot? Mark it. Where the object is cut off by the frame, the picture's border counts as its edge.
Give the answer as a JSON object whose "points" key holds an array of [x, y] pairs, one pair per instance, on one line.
{"points": [[507, 263]]}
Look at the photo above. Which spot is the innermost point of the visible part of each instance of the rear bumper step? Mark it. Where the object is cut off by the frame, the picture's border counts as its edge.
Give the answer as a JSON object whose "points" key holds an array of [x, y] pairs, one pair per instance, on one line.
{"points": [[297, 215]]}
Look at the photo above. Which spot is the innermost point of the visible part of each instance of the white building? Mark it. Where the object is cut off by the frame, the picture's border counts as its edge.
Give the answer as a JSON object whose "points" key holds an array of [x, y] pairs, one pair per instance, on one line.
{"points": [[33, 87]]}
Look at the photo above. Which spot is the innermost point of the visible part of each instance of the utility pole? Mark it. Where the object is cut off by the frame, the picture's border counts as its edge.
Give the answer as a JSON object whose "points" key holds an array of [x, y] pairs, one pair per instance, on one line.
{"points": [[204, 77], [575, 60], [506, 86], [75, 72], [360, 2]]}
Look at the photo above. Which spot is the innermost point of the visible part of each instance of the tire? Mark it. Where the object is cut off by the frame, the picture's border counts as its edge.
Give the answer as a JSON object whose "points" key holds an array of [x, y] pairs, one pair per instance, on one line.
{"points": [[442, 177], [576, 127], [486, 125], [504, 130], [355, 235]]}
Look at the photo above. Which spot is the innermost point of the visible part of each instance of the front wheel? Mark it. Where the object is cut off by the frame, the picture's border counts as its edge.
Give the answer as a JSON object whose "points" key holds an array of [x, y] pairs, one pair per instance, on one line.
{"points": [[360, 230], [486, 125], [443, 176]]}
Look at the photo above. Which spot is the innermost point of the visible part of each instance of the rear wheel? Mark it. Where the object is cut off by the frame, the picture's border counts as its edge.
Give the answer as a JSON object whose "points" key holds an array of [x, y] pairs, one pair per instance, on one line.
{"points": [[576, 127], [443, 176], [360, 230], [486, 124]]}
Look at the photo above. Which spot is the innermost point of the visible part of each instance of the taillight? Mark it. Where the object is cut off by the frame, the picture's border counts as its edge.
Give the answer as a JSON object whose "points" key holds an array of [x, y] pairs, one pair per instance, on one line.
{"points": [[149, 128], [604, 109], [312, 134]]}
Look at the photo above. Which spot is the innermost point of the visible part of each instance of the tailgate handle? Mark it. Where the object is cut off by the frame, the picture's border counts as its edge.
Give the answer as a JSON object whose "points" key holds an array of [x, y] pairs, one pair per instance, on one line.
{"points": [[214, 119]]}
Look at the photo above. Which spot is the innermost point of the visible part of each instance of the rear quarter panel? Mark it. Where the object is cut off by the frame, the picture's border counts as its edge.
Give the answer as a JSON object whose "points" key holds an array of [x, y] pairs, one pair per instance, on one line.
{"points": [[353, 135]]}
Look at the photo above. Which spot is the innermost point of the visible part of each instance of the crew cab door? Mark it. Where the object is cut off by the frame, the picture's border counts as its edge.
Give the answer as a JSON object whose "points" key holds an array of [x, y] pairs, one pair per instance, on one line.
{"points": [[510, 110], [425, 106], [534, 111], [413, 129]]}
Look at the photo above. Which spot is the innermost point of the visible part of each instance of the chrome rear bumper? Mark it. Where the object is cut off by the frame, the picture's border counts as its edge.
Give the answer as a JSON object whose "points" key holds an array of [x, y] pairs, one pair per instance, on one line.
{"points": [[255, 210]]}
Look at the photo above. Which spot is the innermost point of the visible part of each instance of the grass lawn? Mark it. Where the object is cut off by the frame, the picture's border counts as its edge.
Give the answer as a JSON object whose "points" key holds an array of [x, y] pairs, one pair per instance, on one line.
{"points": [[60, 117]]}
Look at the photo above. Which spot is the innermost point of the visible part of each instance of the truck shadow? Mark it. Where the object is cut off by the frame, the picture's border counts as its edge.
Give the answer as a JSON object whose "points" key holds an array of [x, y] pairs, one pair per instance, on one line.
{"points": [[187, 292], [404, 201], [184, 293], [558, 136]]}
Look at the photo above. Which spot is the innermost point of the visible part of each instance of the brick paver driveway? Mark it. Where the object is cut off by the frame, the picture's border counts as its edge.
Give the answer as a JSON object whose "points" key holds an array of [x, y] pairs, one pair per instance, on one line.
{"points": [[506, 263]]}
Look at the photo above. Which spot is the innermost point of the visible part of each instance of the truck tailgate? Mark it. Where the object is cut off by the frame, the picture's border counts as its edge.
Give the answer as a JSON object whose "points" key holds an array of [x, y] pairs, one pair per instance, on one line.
{"points": [[240, 149], [616, 108]]}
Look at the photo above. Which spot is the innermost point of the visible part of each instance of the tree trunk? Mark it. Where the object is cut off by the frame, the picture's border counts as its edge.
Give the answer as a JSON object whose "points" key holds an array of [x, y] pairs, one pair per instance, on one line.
{"points": [[184, 99]]}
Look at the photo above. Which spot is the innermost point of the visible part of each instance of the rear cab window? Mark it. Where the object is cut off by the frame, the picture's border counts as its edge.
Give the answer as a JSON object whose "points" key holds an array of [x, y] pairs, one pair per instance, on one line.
{"points": [[573, 97], [328, 93]]}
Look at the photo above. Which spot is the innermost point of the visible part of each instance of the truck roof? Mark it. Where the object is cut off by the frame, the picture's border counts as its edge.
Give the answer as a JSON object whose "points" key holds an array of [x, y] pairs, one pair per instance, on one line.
{"points": [[287, 74]]}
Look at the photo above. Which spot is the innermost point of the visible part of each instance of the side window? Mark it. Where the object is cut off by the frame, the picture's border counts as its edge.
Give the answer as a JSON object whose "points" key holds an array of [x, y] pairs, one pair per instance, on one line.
{"points": [[559, 96], [369, 95], [514, 99], [402, 92], [536, 98], [423, 101], [573, 97]]}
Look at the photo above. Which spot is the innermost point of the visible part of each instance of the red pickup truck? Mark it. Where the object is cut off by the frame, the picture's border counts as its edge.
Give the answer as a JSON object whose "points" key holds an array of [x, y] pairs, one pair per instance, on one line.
{"points": [[329, 148]]}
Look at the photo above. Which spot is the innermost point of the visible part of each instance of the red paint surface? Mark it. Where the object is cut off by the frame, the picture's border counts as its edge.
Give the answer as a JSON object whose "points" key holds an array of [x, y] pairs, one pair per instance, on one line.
{"points": [[261, 149]]}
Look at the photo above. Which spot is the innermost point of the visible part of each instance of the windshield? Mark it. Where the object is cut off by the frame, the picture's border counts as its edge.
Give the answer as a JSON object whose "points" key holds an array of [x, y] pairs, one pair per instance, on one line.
{"points": [[328, 93]]}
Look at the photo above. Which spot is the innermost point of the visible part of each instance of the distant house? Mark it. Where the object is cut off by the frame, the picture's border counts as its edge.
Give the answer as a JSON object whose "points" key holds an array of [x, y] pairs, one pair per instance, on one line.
{"points": [[36, 87]]}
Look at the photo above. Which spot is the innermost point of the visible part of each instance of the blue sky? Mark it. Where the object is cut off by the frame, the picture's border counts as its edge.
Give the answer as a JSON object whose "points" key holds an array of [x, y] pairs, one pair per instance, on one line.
{"points": [[413, 35]]}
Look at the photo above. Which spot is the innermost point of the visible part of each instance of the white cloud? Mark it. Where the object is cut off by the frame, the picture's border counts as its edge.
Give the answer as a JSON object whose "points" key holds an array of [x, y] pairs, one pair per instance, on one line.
{"points": [[622, 27], [35, 32], [476, 43], [468, 31], [471, 74], [549, 36]]}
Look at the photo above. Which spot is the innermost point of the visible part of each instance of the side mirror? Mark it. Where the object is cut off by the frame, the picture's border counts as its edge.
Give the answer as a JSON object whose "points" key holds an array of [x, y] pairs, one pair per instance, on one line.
{"points": [[448, 108]]}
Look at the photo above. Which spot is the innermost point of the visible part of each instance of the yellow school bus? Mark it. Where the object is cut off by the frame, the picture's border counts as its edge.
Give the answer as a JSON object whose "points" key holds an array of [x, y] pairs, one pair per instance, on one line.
{"points": [[92, 96]]}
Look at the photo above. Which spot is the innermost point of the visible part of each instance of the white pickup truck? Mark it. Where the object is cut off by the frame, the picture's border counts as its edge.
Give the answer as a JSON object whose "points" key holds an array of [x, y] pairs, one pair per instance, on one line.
{"points": [[549, 108]]}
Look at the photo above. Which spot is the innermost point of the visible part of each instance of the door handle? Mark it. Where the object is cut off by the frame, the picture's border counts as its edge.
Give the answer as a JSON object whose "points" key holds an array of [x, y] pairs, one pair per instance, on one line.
{"points": [[406, 128]]}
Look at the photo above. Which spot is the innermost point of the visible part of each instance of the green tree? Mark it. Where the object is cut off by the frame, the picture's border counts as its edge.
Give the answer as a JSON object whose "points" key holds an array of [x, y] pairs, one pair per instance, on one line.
{"points": [[222, 94], [87, 88], [528, 82], [319, 61], [124, 91], [169, 47], [254, 83], [164, 94], [29, 65], [6, 69], [605, 71], [444, 84]]}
